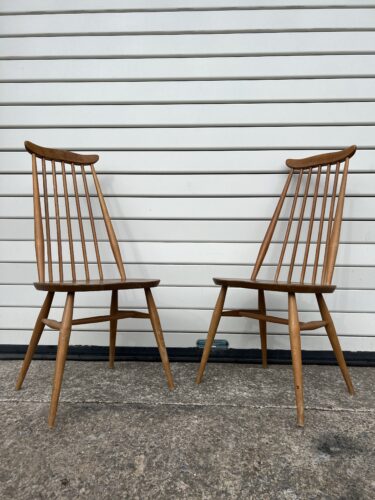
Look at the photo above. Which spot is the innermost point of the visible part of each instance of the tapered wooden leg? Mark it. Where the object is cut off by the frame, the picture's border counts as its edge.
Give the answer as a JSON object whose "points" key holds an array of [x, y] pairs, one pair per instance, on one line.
{"points": [[295, 345], [332, 335], [113, 329], [263, 327], [212, 332], [158, 332], [62, 350], [35, 337]]}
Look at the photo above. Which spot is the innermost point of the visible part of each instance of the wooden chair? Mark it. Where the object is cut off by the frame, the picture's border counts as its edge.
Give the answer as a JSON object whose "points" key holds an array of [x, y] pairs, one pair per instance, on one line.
{"points": [[324, 209], [77, 216]]}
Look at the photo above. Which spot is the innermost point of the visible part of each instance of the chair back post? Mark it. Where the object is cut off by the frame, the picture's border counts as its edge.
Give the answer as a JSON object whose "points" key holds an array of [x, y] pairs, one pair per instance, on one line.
{"points": [[333, 245], [38, 224]]}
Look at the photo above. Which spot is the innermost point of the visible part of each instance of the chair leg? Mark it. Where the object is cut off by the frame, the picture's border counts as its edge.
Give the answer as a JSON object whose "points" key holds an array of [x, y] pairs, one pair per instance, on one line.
{"points": [[62, 350], [158, 332], [263, 327], [295, 345], [35, 337], [212, 332], [332, 335], [113, 329]]}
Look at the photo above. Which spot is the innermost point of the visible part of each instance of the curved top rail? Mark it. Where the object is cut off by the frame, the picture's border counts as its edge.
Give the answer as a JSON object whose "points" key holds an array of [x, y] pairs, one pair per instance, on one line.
{"points": [[324, 159], [60, 154]]}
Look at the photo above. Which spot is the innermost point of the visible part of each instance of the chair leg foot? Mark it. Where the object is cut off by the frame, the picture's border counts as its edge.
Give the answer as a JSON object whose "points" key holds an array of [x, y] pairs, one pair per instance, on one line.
{"points": [[211, 332], [158, 332], [263, 327], [332, 335], [113, 329], [295, 345], [35, 337], [62, 351]]}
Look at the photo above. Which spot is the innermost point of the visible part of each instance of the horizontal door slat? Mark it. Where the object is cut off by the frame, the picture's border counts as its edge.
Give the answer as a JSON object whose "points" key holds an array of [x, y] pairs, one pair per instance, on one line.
{"points": [[188, 45], [185, 138], [190, 69], [159, 22], [183, 230], [185, 208], [356, 113], [188, 91]]}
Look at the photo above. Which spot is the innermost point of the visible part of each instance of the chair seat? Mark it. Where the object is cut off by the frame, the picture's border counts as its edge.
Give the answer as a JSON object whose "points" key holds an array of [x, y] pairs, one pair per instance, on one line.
{"points": [[275, 286], [94, 285]]}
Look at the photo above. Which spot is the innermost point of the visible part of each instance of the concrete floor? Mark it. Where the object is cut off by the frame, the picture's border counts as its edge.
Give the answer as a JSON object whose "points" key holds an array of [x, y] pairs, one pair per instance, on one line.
{"points": [[121, 434]]}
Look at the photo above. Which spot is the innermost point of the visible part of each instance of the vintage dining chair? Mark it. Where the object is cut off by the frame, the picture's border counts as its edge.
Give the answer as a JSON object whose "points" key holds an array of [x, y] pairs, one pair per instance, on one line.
{"points": [[63, 180], [325, 176]]}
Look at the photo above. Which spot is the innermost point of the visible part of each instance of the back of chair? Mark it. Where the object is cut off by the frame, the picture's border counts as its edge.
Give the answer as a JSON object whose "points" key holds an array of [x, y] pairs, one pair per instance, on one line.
{"points": [[62, 180], [315, 189]]}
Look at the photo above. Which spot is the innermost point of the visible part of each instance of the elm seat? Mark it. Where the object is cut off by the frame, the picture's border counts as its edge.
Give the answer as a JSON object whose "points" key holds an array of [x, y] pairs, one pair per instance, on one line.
{"points": [[275, 286], [94, 285]]}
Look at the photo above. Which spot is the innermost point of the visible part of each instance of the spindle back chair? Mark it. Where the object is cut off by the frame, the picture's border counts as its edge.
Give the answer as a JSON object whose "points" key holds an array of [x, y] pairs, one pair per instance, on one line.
{"points": [[74, 235], [310, 206]]}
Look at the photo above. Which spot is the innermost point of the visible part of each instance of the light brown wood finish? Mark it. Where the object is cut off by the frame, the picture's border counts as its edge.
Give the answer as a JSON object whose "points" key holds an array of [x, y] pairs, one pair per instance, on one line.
{"points": [[68, 222], [299, 226], [335, 236], [315, 277], [155, 321], [321, 224], [113, 328], [46, 216], [108, 224], [58, 225], [332, 335], [271, 229], [263, 326], [215, 320], [38, 224], [311, 225], [62, 351], [71, 184], [289, 226], [92, 223], [81, 230], [295, 347], [35, 337], [330, 219]]}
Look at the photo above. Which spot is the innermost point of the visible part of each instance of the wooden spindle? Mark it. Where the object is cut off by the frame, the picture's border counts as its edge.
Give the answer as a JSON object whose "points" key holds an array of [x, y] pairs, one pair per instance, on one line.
{"points": [[108, 224], [68, 222], [300, 221], [92, 222], [335, 237], [58, 226], [271, 228], [79, 215], [38, 224], [47, 221], [330, 220], [289, 226], [321, 224], [311, 225]]}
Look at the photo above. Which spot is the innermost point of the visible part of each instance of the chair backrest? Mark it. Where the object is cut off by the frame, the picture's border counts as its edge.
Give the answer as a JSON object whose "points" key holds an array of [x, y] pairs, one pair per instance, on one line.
{"points": [[310, 209], [66, 222]]}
